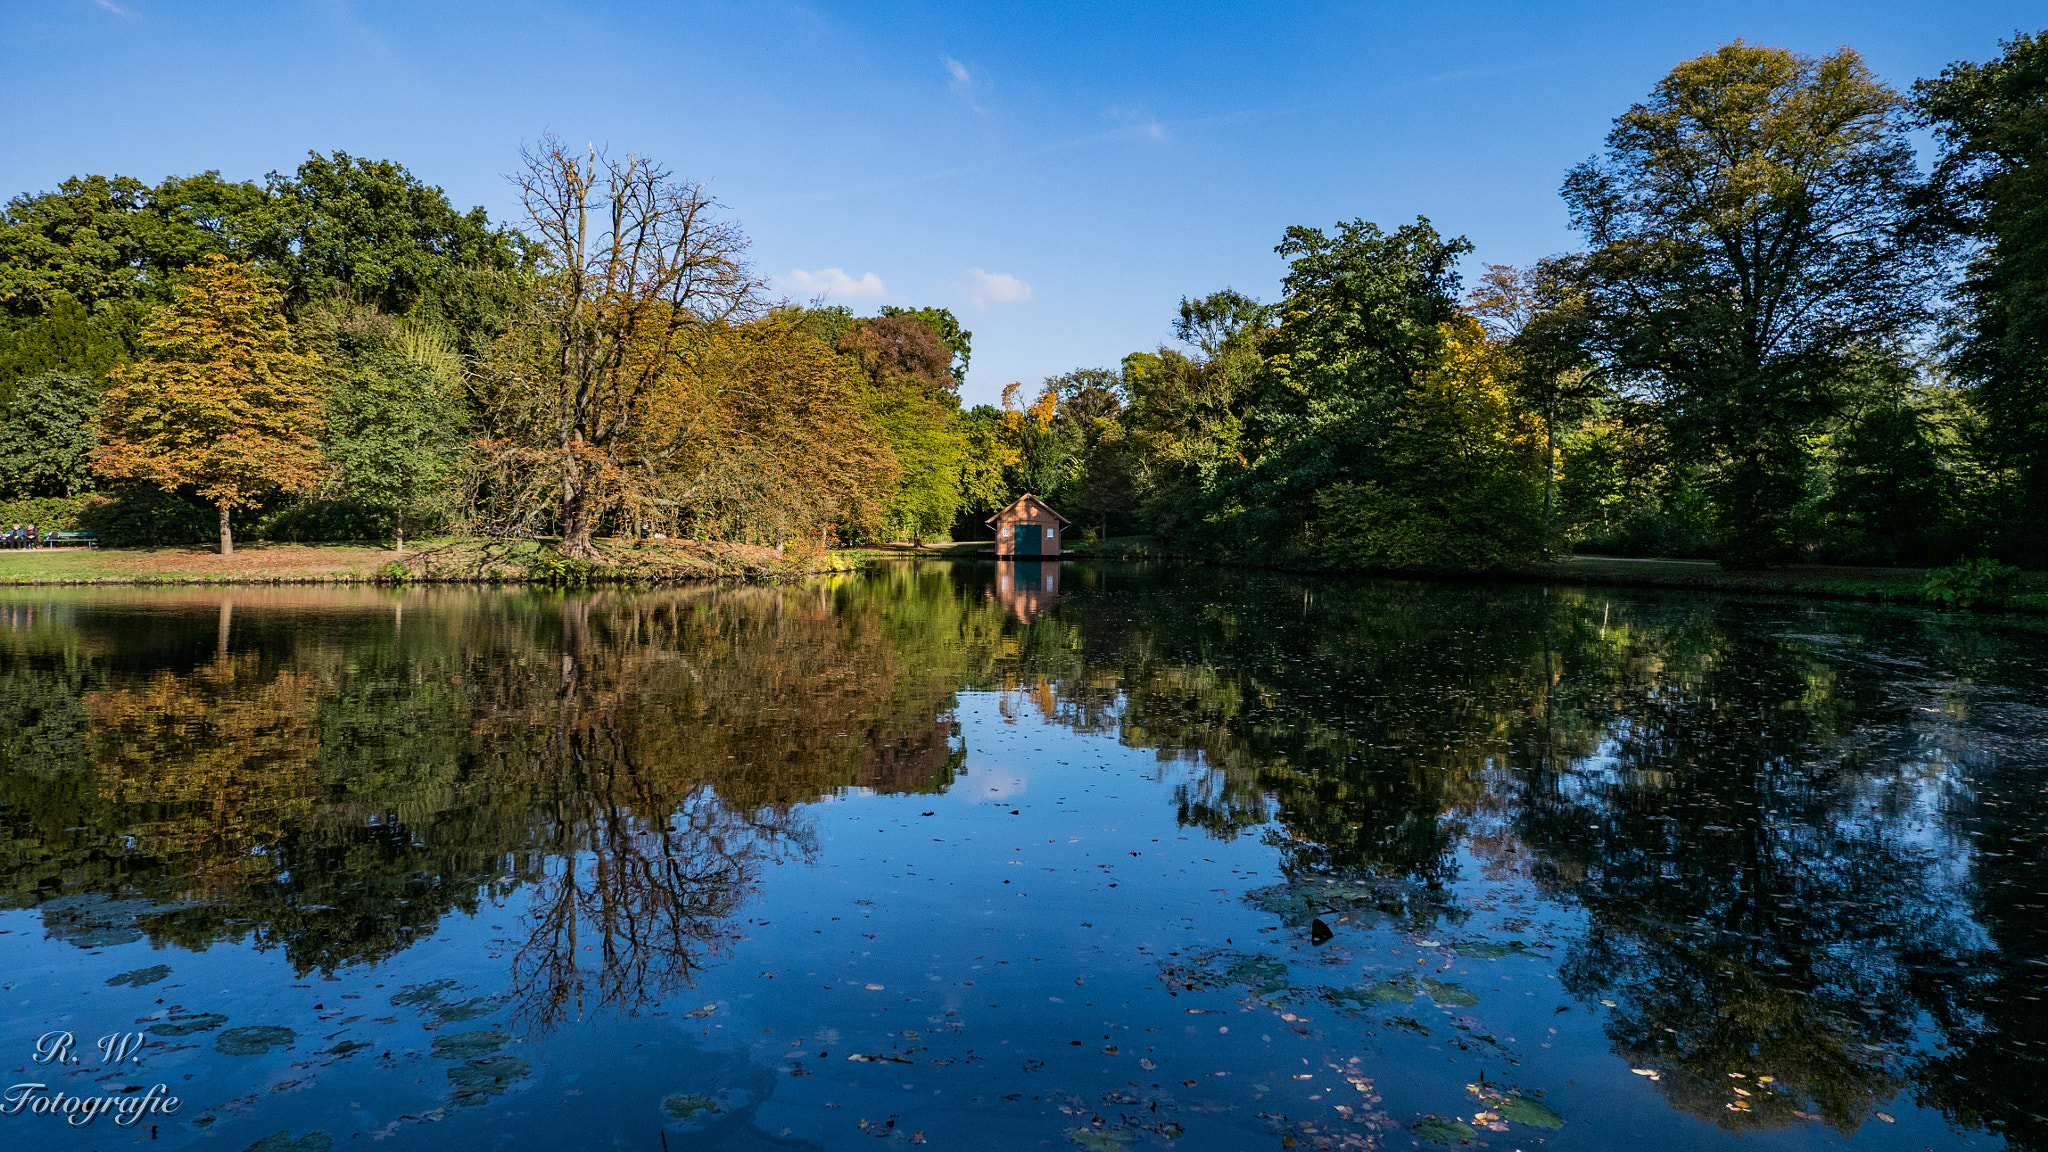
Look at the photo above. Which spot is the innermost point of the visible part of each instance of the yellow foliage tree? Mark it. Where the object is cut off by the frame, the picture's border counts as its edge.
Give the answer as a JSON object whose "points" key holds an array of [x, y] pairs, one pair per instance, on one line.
{"points": [[1463, 489], [224, 402]]}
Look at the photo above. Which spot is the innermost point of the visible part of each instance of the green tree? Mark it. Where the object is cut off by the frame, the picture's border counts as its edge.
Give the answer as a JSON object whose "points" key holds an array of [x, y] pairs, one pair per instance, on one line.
{"points": [[90, 241], [1891, 496], [1361, 317], [1747, 231], [913, 401], [66, 338], [373, 228], [1991, 190], [224, 402], [1185, 413], [394, 420], [48, 430]]}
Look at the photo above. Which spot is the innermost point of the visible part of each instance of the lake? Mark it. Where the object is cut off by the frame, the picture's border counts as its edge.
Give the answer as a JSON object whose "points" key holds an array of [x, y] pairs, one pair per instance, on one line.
{"points": [[959, 855]]}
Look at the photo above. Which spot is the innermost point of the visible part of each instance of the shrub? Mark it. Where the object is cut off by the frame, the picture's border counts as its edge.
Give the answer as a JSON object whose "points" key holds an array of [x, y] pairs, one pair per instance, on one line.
{"points": [[1962, 585]]}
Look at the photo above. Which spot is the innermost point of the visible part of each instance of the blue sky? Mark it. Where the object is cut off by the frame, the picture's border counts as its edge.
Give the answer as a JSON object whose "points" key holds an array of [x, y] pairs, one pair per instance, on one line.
{"points": [[1060, 175]]}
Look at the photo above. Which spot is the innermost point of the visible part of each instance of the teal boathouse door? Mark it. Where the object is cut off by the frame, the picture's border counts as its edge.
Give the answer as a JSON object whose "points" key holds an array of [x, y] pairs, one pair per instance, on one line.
{"points": [[1030, 540]]}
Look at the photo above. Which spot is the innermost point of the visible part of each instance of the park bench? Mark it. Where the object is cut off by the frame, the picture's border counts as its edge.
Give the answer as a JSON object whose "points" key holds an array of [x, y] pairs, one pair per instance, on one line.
{"points": [[72, 539]]}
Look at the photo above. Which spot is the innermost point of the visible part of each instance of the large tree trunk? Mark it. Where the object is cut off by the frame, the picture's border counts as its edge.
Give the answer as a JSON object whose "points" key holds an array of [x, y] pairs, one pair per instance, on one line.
{"points": [[227, 534], [575, 510]]}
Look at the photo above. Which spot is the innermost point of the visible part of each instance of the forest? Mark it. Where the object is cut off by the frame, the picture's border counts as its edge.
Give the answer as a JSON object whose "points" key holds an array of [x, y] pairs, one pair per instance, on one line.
{"points": [[1791, 334]]}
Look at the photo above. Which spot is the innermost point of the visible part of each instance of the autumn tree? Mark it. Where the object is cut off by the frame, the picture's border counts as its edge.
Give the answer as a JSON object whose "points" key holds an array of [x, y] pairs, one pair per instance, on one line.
{"points": [[1461, 490], [633, 263], [223, 402], [1539, 317], [758, 432]]}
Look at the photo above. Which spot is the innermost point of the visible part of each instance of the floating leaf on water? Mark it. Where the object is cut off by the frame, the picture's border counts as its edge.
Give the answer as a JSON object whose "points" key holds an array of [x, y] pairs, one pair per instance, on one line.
{"points": [[283, 1142], [141, 976], [1445, 993], [1099, 1139], [468, 1045], [683, 1106], [1489, 949], [1442, 1131], [188, 1024], [1390, 993], [343, 1048], [476, 1081], [1534, 1113], [253, 1041]]}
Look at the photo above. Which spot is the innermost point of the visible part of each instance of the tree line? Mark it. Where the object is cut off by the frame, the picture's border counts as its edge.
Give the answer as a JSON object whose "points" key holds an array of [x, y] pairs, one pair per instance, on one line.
{"points": [[1784, 339]]}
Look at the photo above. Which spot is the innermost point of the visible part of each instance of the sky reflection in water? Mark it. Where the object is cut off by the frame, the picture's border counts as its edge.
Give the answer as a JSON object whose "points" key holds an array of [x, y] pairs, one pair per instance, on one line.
{"points": [[1108, 857]]}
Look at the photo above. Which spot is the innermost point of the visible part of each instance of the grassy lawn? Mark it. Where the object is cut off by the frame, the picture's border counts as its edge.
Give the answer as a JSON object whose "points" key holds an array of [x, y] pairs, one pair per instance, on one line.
{"points": [[250, 562], [452, 559]]}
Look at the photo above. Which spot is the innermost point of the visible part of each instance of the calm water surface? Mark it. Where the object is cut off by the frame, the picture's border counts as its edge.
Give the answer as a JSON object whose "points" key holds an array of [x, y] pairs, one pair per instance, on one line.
{"points": [[1108, 857]]}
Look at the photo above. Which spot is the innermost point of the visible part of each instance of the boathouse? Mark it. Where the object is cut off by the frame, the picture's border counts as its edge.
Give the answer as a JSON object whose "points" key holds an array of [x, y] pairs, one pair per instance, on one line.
{"points": [[1027, 528]]}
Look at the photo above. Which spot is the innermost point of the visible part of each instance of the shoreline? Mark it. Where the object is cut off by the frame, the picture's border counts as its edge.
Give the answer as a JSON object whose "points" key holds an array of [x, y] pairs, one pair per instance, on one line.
{"points": [[529, 563]]}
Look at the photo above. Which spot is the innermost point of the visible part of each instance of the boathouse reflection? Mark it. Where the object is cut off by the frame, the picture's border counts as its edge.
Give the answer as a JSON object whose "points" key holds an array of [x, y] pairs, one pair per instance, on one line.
{"points": [[1028, 588]]}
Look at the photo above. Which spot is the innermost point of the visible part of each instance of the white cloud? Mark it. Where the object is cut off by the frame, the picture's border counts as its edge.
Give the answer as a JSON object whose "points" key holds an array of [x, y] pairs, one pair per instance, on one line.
{"points": [[833, 282], [986, 288]]}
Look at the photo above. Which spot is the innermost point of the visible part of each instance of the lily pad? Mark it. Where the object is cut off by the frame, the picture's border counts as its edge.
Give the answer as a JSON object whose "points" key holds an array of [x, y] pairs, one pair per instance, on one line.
{"points": [[185, 1025], [1534, 1113], [418, 995], [141, 976], [343, 1048], [1443, 1131], [683, 1106], [1099, 1139], [283, 1142], [253, 1041], [467, 1010], [1265, 976], [1210, 971], [468, 1045], [476, 1081], [1446, 993]]}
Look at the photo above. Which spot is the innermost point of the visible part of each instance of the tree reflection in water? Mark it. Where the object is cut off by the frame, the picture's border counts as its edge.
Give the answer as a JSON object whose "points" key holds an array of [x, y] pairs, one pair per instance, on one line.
{"points": [[1805, 842]]}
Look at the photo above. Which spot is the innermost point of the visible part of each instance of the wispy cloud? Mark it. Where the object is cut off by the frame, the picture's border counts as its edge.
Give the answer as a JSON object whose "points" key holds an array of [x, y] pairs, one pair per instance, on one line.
{"points": [[832, 282], [1133, 132], [963, 82], [985, 288], [110, 6], [1139, 123]]}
